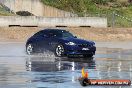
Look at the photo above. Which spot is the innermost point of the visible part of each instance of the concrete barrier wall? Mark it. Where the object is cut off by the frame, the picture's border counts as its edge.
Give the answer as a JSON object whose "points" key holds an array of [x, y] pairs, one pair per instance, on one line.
{"points": [[96, 22], [35, 7], [54, 12]]}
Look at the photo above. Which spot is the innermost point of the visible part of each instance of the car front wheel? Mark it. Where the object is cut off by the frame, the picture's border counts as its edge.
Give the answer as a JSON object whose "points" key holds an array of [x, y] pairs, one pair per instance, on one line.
{"points": [[29, 49], [59, 51]]}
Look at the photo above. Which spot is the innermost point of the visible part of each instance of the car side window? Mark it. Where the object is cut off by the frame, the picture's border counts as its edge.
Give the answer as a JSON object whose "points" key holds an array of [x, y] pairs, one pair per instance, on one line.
{"points": [[54, 34], [40, 34]]}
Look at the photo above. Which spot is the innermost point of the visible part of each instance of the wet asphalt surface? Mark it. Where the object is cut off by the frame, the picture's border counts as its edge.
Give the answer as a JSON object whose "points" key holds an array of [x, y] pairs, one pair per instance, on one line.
{"points": [[18, 70]]}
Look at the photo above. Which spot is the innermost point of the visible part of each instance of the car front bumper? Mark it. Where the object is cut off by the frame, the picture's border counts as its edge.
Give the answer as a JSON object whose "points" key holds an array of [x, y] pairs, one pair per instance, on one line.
{"points": [[75, 50]]}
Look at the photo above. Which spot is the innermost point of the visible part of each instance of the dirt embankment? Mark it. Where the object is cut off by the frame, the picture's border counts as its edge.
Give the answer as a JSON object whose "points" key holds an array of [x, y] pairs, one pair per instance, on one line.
{"points": [[23, 33]]}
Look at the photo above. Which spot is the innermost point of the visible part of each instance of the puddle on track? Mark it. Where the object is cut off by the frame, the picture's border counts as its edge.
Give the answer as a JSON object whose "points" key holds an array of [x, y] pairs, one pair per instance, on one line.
{"points": [[19, 70]]}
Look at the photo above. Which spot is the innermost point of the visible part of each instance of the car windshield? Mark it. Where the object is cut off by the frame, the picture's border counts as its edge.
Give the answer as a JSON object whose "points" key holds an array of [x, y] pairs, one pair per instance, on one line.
{"points": [[63, 34], [67, 34]]}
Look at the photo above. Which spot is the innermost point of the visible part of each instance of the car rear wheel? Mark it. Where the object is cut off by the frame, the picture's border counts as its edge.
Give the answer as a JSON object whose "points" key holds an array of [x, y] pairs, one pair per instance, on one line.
{"points": [[59, 51], [29, 49]]}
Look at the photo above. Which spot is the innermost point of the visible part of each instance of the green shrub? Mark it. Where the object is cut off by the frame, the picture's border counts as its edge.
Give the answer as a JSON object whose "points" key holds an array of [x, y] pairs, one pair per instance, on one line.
{"points": [[102, 8], [24, 13]]}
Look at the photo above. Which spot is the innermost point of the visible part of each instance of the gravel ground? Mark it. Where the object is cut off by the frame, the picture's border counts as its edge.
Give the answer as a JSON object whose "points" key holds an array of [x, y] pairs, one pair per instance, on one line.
{"points": [[106, 35]]}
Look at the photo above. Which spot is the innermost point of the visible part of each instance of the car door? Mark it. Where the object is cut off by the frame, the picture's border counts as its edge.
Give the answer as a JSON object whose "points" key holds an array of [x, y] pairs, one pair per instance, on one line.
{"points": [[41, 39], [52, 41]]}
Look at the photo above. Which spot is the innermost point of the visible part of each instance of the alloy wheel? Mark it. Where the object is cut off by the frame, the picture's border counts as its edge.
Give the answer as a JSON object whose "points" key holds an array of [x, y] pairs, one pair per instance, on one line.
{"points": [[59, 50], [29, 49]]}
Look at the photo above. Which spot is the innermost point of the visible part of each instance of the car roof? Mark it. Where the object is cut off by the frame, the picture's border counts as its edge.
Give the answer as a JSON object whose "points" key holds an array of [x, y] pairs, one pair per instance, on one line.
{"points": [[52, 30], [55, 29]]}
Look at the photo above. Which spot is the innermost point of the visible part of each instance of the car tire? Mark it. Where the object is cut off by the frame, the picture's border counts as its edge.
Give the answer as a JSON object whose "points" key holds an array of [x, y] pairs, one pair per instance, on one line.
{"points": [[29, 49], [59, 50]]}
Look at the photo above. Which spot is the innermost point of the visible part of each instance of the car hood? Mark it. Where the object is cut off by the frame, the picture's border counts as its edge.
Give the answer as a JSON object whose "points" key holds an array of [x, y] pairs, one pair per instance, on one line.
{"points": [[78, 41]]}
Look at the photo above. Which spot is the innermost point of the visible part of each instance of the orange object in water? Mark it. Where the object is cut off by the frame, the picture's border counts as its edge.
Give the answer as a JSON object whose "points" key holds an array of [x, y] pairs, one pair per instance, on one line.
{"points": [[84, 74]]}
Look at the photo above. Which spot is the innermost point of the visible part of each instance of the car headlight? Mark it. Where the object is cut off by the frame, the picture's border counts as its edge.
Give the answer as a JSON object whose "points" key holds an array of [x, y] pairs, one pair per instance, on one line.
{"points": [[70, 43]]}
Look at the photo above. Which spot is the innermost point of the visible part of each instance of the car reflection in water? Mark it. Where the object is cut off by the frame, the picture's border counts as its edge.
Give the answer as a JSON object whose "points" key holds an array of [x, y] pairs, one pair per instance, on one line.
{"points": [[50, 71], [40, 64]]}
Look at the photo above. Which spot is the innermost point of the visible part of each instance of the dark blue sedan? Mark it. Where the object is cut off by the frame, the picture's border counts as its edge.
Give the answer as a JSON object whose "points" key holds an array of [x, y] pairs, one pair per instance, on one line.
{"points": [[61, 42]]}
